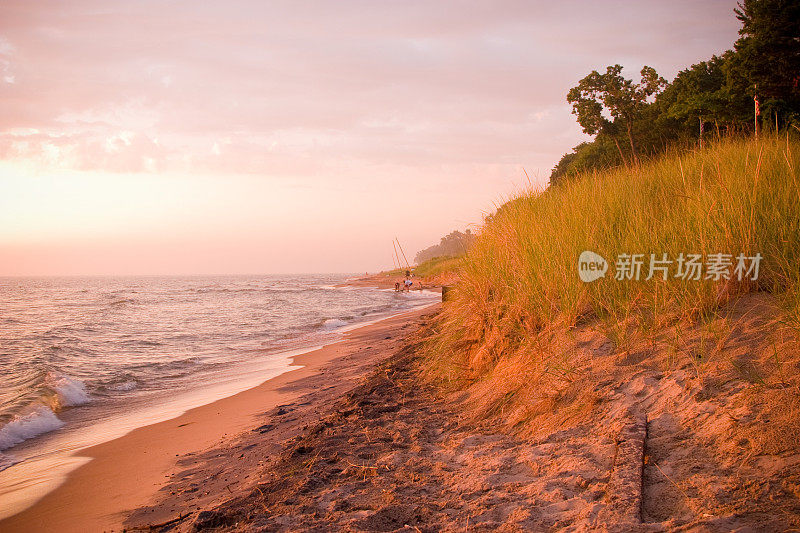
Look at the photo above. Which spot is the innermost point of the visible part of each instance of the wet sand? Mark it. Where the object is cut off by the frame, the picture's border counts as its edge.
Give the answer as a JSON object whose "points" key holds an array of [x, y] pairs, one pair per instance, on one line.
{"points": [[127, 473]]}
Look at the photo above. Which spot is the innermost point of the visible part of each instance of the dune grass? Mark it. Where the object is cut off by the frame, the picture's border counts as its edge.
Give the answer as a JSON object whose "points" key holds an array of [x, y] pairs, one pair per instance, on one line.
{"points": [[428, 269], [438, 266], [521, 275]]}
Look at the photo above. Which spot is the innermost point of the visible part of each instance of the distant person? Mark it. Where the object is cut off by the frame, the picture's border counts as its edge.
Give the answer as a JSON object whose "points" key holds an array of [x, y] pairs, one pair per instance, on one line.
{"points": [[408, 273], [408, 284], [396, 286]]}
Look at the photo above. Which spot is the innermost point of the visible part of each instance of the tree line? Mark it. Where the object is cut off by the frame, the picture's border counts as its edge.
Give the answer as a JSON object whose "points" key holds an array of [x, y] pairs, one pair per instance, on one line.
{"points": [[452, 244], [754, 85]]}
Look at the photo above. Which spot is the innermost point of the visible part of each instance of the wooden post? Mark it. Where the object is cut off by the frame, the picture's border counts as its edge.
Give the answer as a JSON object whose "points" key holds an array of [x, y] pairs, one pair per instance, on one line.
{"points": [[445, 291], [701, 132], [756, 111], [624, 491]]}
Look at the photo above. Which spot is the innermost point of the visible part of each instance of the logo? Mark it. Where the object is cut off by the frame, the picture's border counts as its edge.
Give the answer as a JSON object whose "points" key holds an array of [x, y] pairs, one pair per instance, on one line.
{"points": [[686, 267], [591, 266]]}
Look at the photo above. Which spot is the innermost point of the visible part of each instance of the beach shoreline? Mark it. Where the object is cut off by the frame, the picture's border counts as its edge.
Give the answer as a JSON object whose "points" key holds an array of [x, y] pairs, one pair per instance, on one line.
{"points": [[383, 280], [397, 452], [127, 473]]}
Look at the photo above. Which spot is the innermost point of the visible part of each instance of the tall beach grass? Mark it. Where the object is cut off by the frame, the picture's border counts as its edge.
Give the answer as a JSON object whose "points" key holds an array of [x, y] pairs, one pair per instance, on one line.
{"points": [[521, 275]]}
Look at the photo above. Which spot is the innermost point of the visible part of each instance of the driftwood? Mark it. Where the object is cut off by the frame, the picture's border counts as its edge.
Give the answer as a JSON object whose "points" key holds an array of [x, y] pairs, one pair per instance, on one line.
{"points": [[152, 527], [624, 508]]}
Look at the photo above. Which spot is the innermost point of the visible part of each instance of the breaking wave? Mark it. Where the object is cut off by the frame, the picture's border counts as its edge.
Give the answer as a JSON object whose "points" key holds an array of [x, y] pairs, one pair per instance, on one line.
{"points": [[333, 323], [23, 427], [127, 338], [69, 392]]}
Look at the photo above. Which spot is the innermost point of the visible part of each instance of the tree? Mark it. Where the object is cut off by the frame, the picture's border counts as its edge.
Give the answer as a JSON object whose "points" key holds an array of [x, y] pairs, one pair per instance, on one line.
{"points": [[768, 52], [622, 99], [586, 156], [703, 92], [452, 244], [696, 92], [719, 91]]}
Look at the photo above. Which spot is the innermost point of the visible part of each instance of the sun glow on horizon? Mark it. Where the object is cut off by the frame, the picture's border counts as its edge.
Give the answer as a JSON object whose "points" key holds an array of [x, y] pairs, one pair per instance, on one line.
{"points": [[209, 138]]}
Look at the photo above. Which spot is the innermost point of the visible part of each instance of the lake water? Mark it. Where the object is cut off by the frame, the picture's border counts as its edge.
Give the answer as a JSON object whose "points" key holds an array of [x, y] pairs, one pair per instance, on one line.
{"points": [[84, 360]]}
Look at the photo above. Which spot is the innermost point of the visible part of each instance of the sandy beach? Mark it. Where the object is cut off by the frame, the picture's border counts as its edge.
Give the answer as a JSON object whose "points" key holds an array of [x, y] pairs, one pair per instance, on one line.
{"points": [[128, 472], [396, 453], [357, 441]]}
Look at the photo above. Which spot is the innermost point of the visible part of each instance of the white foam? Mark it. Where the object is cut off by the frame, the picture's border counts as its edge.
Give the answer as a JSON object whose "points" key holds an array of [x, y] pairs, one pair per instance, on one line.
{"points": [[24, 427], [333, 323], [124, 386], [71, 392], [417, 294]]}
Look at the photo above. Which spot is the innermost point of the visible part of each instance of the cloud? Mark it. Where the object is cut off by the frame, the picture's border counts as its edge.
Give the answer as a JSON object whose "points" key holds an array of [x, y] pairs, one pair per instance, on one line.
{"points": [[302, 88], [6, 51]]}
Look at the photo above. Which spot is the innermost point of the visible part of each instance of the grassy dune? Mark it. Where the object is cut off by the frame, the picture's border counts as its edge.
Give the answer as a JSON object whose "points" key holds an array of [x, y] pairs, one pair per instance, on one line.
{"points": [[437, 267], [438, 270], [519, 283]]}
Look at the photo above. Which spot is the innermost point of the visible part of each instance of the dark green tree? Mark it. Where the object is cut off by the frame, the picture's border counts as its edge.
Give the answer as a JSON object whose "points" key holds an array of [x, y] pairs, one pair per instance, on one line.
{"points": [[767, 55], [452, 244], [620, 97], [597, 154], [719, 92], [701, 93]]}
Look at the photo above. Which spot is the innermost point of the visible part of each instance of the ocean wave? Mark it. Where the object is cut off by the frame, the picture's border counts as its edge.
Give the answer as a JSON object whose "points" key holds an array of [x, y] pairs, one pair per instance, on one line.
{"points": [[245, 290], [122, 382], [206, 290], [116, 298], [161, 338], [333, 323], [140, 342], [124, 386], [122, 301], [23, 427], [419, 295], [70, 392]]}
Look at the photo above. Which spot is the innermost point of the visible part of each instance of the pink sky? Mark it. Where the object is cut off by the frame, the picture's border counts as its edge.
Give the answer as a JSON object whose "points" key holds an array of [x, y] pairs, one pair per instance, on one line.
{"points": [[262, 137]]}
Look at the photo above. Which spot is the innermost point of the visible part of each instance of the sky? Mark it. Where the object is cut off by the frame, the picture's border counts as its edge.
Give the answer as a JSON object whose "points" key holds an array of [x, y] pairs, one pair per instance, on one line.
{"points": [[256, 137]]}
